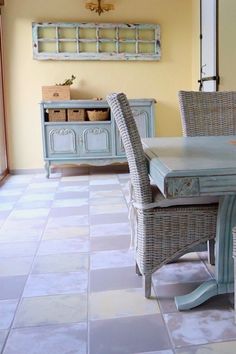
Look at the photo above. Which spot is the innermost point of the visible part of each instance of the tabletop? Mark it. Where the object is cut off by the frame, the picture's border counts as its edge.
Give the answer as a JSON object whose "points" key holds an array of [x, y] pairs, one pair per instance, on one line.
{"points": [[192, 166]]}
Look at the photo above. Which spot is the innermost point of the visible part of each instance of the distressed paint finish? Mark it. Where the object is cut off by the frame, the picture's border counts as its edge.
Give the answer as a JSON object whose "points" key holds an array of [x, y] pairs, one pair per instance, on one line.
{"points": [[83, 142], [144, 47], [176, 187], [191, 166]]}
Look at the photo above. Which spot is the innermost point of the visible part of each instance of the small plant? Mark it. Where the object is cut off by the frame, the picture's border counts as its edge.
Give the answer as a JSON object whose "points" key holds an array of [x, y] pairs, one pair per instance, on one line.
{"points": [[67, 82]]}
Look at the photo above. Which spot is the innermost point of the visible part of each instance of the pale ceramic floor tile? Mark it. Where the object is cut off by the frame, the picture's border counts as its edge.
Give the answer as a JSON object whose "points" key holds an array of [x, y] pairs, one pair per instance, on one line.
{"points": [[106, 209], [115, 218], [109, 243], [71, 220], [37, 204], [48, 339], [7, 312], [75, 188], [47, 310], [126, 335], [213, 348], [200, 327], [56, 283], [60, 233], [25, 235], [19, 249], [121, 303], [59, 212], [102, 176], [105, 194], [114, 279], [74, 178], [181, 272], [19, 178], [158, 352], [30, 214], [11, 192], [3, 335], [15, 266], [23, 224], [36, 197], [72, 262], [70, 203], [63, 246], [109, 201], [6, 206], [12, 287], [71, 195], [110, 229], [112, 259], [103, 181], [44, 184]]}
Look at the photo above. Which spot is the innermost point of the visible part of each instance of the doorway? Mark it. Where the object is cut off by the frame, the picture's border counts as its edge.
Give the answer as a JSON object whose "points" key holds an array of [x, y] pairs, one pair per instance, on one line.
{"points": [[209, 78]]}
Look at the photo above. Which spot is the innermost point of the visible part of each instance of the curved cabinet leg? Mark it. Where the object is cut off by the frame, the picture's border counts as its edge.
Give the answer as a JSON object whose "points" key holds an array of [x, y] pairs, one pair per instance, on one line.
{"points": [[147, 285], [47, 169]]}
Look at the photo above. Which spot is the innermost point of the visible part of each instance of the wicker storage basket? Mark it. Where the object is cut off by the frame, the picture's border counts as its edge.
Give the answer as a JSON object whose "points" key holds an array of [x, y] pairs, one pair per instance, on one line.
{"points": [[75, 114], [98, 115], [56, 115]]}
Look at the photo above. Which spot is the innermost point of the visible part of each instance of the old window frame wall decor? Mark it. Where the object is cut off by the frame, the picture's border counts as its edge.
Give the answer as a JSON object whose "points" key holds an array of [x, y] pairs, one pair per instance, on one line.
{"points": [[95, 41]]}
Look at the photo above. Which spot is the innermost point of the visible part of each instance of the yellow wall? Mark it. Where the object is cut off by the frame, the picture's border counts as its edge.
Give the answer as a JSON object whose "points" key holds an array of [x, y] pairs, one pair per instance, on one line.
{"points": [[227, 47], [25, 76], [195, 44]]}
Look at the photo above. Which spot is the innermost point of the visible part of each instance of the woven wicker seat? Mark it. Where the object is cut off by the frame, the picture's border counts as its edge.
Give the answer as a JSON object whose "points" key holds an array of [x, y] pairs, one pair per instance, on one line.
{"points": [[162, 234]]}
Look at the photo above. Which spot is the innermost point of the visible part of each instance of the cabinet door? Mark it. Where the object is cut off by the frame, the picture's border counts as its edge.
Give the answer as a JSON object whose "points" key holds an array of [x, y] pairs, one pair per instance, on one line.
{"points": [[61, 141], [95, 140], [142, 116]]}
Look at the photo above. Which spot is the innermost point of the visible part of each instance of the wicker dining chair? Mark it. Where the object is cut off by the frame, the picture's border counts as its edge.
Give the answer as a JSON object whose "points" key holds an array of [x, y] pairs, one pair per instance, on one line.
{"points": [[162, 234], [208, 113]]}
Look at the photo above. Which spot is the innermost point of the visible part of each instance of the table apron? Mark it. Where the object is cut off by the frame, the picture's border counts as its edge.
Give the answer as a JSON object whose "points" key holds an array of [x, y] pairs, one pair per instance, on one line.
{"points": [[217, 185], [197, 186]]}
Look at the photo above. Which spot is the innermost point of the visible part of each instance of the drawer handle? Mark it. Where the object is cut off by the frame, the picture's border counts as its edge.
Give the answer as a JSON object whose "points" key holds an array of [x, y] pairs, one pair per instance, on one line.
{"points": [[56, 94]]}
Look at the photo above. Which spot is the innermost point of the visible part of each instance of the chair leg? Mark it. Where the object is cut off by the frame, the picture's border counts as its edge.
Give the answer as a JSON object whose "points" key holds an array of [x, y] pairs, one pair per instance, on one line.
{"points": [[211, 251], [137, 270], [148, 285]]}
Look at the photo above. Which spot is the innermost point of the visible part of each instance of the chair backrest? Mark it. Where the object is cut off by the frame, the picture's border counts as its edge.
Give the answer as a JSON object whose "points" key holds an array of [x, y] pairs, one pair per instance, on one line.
{"points": [[208, 113], [133, 147]]}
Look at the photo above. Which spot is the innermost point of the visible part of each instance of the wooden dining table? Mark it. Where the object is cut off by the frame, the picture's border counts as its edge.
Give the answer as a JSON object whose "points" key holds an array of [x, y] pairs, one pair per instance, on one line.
{"points": [[200, 166]]}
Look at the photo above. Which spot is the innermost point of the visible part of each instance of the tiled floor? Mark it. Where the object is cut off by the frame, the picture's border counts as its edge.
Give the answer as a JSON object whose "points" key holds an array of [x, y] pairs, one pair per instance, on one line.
{"points": [[68, 282]]}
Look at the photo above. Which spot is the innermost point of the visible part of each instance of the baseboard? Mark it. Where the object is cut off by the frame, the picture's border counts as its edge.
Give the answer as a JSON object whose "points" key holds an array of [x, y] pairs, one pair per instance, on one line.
{"points": [[74, 170]]}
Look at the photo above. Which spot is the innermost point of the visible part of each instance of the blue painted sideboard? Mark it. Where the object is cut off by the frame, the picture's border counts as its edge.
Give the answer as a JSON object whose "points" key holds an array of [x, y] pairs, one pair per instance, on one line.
{"points": [[89, 142]]}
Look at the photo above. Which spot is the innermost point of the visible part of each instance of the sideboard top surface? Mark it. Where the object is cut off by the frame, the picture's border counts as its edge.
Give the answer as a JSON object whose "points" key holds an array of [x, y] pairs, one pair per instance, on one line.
{"points": [[93, 103]]}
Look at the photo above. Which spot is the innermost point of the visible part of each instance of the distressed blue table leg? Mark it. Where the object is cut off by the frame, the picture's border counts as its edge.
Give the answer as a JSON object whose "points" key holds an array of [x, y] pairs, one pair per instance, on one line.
{"points": [[224, 268]]}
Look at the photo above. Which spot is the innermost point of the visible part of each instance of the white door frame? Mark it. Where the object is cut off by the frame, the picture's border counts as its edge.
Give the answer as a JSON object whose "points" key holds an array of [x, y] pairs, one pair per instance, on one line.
{"points": [[209, 78]]}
